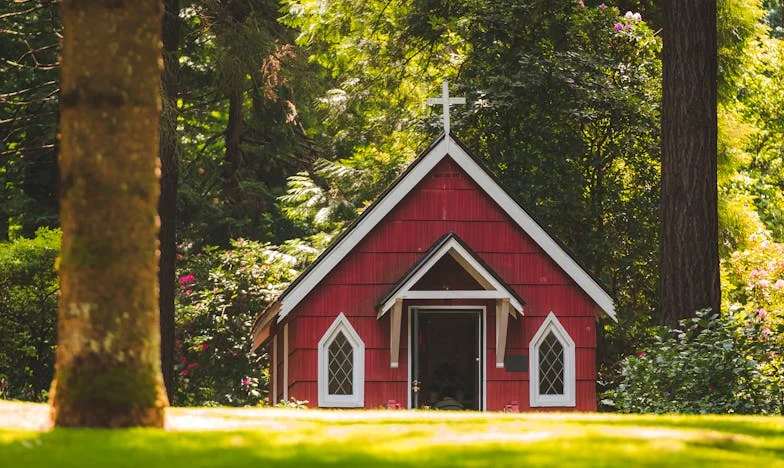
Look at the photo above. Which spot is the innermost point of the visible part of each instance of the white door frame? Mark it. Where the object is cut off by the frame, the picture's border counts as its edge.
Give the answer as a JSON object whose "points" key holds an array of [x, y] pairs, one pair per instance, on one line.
{"points": [[482, 340]]}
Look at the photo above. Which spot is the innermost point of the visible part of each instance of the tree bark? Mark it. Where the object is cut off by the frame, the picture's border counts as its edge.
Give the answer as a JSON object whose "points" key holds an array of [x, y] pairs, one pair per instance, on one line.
{"points": [[167, 205], [689, 258], [233, 138], [108, 355]]}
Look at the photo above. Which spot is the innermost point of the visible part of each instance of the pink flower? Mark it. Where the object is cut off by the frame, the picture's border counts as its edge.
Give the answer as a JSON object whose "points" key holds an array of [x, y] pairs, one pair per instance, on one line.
{"points": [[187, 279], [779, 284], [179, 256], [246, 382], [766, 332], [192, 365], [618, 27], [640, 353], [184, 372], [754, 273], [628, 26], [204, 346], [762, 314], [183, 359], [603, 6], [581, 3], [763, 283], [188, 292]]}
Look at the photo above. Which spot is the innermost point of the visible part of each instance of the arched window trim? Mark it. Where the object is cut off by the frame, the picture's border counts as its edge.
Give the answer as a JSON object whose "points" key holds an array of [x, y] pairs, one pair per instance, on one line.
{"points": [[551, 324], [357, 398]]}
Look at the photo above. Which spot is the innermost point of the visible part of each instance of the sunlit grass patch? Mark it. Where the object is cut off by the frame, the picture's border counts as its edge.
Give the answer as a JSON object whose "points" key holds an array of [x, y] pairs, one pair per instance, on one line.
{"points": [[275, 437]]}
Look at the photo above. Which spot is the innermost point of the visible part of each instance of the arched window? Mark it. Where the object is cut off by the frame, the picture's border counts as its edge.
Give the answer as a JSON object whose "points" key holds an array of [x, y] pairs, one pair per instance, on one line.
{"points": [[552, 365], [341, 364]]}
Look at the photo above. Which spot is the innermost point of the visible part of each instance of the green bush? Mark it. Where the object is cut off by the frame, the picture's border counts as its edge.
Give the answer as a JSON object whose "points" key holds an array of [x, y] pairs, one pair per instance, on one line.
{"points": [[28, 311], [728, 363], [220, 293], [714, 364]]}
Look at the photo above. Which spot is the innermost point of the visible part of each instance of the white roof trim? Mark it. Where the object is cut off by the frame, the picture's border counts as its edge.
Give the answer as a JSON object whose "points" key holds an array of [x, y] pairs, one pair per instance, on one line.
{"points": [[447, 146], [494, 289]]}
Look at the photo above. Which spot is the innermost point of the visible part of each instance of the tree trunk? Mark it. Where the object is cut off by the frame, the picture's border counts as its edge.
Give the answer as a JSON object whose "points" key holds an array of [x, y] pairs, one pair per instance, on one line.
{"points": [[167, 206], [233, 138], [108, 355], [689, 258]]}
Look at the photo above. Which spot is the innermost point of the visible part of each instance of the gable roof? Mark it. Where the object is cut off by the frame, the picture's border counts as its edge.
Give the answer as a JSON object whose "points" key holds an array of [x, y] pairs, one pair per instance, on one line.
{"points": [[443, 146], [451, 244]]}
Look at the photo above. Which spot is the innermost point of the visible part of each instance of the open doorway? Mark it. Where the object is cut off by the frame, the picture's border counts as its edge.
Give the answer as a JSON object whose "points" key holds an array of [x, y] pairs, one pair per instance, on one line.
{"points": [[447, 358]]}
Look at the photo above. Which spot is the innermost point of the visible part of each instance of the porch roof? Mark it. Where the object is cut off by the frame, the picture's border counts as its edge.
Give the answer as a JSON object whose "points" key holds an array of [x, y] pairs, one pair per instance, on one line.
{"points": [[494, 287]]}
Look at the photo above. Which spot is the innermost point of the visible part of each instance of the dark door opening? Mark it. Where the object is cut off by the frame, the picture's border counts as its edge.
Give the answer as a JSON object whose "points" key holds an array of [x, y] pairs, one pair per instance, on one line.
{"points": [[447, 359]]}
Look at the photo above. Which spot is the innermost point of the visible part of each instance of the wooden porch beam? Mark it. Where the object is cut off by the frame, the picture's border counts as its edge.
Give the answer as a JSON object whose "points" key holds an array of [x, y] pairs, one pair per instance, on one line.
{"points": [[501, 325], [394, 333], [452, 294]]}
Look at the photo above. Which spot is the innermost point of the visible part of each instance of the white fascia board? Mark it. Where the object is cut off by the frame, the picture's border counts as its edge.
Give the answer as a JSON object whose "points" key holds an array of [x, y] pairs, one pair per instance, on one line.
{"points": [[362, 228], [455, 294], [489, 185], [547, 243]]}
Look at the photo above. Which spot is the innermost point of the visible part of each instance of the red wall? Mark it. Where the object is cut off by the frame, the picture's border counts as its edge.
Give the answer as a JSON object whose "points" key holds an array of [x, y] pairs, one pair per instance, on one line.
{"points": [[446, 200]]}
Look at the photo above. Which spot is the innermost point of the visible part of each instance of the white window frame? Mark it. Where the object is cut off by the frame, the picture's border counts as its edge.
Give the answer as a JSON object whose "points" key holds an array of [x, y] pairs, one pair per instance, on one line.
{"points": [[357, 398], [551, 324]]}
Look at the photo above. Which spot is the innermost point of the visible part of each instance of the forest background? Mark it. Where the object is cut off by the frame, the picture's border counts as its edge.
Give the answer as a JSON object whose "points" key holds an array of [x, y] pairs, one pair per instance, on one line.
{"points": [[283, 120]]}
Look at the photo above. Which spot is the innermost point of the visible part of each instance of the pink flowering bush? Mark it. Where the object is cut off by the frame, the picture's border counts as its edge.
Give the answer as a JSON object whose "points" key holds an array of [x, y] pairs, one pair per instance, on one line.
{"points": [[220, 293], [727, 363], [753, 279]]}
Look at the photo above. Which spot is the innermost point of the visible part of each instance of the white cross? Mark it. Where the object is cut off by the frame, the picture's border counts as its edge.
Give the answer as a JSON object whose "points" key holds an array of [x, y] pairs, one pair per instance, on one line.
{"points": [[446, 101]]}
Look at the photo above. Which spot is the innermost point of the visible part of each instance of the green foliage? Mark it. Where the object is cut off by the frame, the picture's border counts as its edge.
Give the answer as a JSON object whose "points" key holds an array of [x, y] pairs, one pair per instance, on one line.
{"points": [[713, 364], [729, 363], [760, 172], [29, 37], [245, 101], [28, 309], [220, 293]]}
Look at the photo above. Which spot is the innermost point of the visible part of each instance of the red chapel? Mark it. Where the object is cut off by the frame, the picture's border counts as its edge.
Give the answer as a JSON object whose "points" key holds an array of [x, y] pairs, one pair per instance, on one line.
{"points": [[444, 289]]}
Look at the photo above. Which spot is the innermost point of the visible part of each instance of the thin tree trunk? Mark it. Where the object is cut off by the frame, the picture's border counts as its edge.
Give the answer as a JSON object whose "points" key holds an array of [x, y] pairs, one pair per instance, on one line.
{"points": [[233, 137], [167, 206], [689, 258], [108, 354]]}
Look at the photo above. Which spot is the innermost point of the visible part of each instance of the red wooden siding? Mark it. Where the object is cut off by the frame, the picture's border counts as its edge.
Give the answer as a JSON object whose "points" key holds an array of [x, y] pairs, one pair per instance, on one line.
{"points": [[446, 200], [279, 369]]}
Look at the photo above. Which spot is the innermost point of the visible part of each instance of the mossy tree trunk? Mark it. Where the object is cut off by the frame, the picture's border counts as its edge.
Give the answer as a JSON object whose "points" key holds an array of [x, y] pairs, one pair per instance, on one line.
{"points": [[108, 370]]}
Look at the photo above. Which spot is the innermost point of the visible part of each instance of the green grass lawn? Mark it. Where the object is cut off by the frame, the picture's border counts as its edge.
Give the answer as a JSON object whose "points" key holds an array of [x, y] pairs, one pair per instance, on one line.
{"points": [[275, 437]]}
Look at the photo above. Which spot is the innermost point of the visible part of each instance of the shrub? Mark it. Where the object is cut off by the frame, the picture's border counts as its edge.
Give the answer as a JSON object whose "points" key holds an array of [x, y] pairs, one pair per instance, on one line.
{"points": [[713, 364], [728, 363], [28, 311], [219, 295]]}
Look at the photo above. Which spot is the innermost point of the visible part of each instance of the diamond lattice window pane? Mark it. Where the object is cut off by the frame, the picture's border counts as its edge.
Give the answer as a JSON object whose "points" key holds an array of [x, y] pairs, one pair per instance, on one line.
{"points": [[551, 366], [341, 366]]}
